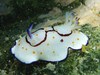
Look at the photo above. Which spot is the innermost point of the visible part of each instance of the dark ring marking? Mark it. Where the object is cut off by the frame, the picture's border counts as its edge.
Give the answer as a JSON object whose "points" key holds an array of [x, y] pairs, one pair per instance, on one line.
{"points": [[46, 36], [62, 34]]}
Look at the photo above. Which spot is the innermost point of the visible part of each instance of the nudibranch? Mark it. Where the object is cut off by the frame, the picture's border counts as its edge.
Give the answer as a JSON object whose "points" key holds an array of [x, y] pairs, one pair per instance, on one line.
{"points": [[50, 43]]}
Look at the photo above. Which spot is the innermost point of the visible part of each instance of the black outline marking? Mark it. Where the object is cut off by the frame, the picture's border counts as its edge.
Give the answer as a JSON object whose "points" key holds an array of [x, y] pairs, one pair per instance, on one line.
{"points": [[27, 40], [60, 33], [46, 36]]}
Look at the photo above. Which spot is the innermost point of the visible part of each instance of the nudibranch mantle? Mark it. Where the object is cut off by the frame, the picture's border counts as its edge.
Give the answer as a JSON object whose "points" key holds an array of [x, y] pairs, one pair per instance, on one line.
{"points": [[49, 43]]}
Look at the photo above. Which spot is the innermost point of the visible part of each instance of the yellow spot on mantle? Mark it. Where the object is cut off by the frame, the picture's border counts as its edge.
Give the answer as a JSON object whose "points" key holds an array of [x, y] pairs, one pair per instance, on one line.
{"points": [[26, 49], [53, 51], [41, 53], [36, 34], [33, 52], [73, 42], [22, 47], [53, 37], [47, 44], [78, 39]]}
